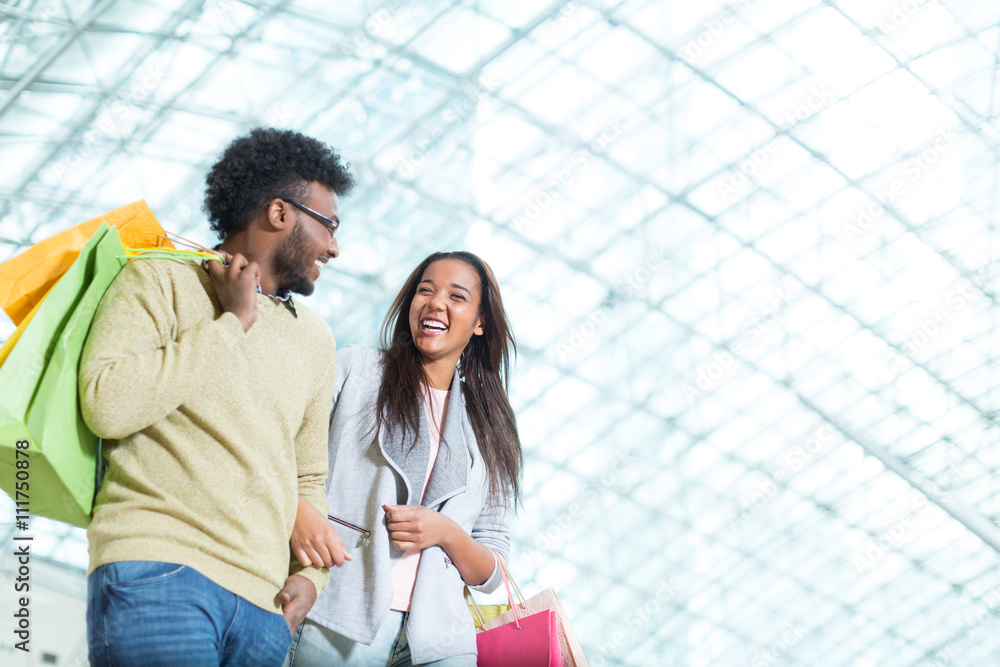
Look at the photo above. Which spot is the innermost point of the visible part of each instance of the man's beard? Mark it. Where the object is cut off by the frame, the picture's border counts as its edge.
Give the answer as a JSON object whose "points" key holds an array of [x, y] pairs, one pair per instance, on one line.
{"points": [[291, 263]]}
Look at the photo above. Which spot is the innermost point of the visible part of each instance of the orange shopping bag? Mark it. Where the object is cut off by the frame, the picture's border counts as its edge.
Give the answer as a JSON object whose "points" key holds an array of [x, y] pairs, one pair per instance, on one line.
{"points": [[26, 278]]}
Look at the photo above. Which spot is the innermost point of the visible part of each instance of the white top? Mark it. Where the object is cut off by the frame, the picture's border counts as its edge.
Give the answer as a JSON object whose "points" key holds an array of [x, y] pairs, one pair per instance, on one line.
{"points": [[404, 572]]}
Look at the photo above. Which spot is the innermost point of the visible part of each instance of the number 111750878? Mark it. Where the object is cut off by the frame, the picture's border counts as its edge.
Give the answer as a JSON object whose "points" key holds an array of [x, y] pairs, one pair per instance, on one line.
{"points": [[23, 475]]}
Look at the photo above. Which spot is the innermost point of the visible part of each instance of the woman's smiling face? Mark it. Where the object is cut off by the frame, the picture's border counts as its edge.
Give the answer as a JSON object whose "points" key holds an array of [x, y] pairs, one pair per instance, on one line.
{"points": [[444, 313]]}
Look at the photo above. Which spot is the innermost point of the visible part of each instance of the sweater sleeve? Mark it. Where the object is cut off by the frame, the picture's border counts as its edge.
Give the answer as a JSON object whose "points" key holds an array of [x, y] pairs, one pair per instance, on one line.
{"points": [[312, 460], [135, 370], [492, 530]]}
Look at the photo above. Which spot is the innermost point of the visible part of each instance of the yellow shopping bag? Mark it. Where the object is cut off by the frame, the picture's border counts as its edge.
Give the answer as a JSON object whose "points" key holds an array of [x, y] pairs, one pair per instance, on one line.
{"points": [[26, 278]]}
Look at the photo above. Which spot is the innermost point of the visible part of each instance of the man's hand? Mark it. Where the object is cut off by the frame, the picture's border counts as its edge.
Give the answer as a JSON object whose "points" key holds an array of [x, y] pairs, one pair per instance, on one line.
{"points": [[314, 541], [297, 598], [416, 527], [236, 286]]}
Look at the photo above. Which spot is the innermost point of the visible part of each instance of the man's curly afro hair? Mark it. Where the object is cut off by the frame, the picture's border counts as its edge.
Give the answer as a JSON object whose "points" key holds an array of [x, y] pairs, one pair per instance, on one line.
{"points": [[267, 164]]}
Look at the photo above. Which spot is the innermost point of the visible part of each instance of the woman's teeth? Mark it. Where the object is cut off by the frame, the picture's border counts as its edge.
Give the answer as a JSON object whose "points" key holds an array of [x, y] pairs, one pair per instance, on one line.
{"points": [[433, 325]]}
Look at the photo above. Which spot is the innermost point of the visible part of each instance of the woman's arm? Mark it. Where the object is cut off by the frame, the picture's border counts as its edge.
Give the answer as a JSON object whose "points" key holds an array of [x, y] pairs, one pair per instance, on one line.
{"points": [[415, 527], [314, 541]]}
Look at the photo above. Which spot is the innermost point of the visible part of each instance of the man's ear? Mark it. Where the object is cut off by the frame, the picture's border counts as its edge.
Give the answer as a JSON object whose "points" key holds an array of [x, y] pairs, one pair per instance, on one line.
{"points": [[279, 215]]}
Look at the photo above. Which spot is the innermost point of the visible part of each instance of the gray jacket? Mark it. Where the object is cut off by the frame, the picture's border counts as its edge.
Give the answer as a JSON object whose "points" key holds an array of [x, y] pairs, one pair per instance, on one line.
{"points": [[364, 474]]}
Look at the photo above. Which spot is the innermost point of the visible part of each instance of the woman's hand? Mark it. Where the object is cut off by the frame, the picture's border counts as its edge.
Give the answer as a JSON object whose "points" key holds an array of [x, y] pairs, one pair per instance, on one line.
{"points": [[416, 527], [314, 541]]}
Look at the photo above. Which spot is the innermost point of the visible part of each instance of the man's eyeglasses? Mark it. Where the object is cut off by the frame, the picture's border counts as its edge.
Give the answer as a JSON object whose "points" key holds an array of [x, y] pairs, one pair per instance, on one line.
{"points": [[331, 225]]}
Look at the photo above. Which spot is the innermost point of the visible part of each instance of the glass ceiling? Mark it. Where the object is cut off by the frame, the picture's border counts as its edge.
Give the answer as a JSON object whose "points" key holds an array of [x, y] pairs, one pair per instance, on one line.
{"points": [[749, 250]]}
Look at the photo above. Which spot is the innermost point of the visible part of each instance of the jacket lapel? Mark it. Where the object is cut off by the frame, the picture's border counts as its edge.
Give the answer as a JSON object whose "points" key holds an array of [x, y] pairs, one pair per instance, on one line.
{"points": [[451, 469], [409, 461]]}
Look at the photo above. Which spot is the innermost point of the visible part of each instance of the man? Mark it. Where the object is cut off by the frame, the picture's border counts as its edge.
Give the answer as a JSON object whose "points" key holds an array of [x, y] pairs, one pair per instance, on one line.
{"points": [[212, 389]]}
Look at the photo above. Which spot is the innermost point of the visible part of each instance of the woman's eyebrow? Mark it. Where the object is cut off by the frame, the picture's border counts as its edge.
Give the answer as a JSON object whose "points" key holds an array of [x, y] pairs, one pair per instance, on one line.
{"points": [[455, 285]]}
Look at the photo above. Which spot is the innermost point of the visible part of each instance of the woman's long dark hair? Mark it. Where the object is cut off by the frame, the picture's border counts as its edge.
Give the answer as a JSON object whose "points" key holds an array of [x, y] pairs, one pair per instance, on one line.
{"points": [[484, 365]]}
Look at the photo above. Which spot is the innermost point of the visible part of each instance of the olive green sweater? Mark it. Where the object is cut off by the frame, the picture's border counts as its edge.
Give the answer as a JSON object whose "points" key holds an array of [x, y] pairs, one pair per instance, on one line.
{"points": [[210, 432]]}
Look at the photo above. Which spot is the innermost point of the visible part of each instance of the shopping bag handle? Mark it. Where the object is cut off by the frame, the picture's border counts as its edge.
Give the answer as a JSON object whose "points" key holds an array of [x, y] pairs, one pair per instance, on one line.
{"points": [[475, 608], [507, 577], [193, 249], [507, 582]]}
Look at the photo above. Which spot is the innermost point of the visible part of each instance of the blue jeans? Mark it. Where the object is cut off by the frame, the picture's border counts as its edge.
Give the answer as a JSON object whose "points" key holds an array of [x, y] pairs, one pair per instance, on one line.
{"points": [[316, 646], [150, 614]]}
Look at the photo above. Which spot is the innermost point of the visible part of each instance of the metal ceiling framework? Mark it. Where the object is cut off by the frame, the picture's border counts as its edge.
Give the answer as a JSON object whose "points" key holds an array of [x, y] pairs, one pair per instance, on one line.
{"points": [[749, 250]]}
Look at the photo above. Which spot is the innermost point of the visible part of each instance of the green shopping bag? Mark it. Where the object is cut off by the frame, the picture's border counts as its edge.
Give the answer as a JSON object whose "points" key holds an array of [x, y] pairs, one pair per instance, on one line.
{"points": [[48, 456]]}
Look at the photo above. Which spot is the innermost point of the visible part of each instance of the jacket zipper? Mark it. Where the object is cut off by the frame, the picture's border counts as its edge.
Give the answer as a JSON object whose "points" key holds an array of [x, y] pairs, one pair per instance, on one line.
{"points": [[365, 534]]}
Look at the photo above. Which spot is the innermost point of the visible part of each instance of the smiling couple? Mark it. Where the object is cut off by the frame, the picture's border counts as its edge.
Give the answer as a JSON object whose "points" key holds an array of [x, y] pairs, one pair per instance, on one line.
{"points": [[231, 488]]}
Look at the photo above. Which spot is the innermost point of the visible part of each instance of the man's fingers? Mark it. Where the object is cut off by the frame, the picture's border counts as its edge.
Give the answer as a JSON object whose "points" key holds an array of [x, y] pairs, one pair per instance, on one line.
{"points": [[297, 596], [294, 615], [249, 275], [215, 269], [238, 261]]}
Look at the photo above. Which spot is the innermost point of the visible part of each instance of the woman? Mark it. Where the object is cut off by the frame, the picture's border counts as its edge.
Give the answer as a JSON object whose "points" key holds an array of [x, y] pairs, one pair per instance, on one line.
{"points": [[422, 461]]}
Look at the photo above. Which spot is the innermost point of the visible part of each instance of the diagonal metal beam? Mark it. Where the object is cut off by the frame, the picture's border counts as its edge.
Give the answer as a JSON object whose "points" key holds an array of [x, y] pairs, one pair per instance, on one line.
{"points": [[39, 66]]}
